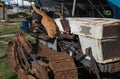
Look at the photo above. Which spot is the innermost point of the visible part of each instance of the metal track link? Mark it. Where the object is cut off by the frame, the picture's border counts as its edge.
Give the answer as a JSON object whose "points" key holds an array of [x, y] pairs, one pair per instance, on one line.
{"points": [[60, 64]]}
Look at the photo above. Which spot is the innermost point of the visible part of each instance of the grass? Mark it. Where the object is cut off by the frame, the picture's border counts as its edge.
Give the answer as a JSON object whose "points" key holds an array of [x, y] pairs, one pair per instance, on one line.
{"points": [[3, 44], [2, 49], [8, 28], [5, 71]]}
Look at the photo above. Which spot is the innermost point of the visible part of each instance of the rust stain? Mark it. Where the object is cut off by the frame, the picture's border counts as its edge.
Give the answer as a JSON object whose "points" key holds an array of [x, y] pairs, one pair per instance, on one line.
{"points": [[58, 65]]}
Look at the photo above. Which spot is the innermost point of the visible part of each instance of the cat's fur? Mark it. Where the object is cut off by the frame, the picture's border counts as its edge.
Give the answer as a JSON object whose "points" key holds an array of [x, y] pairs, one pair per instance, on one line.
{"points": [[47, 22]]}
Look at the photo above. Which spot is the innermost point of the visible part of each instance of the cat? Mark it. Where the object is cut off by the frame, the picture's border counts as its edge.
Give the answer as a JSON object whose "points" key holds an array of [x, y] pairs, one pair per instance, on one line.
{"points": [[47, 22]]}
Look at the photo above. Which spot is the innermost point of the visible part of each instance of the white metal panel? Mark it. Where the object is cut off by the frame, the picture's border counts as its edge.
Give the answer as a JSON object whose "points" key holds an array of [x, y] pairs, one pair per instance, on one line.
{"points": [[97, 50], [94, 44], [86, 30], [57, 21], [89, 27], [75, 27]]}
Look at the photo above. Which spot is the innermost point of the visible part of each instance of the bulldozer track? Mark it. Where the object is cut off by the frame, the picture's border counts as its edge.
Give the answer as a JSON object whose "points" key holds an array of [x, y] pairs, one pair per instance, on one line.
{"points": [[59, 65]]}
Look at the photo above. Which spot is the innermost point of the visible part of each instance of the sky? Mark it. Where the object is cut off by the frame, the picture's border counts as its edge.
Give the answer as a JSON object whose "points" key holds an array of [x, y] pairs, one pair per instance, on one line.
{"points": [[25, 3]]}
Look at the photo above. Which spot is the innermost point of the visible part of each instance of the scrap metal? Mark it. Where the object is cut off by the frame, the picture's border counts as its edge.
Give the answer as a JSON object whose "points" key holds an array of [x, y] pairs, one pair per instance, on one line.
{"points": [[45, 63]]}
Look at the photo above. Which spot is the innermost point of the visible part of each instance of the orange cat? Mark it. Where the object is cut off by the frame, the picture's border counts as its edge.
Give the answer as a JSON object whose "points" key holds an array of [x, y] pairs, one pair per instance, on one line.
{"points": [[47, 22]]}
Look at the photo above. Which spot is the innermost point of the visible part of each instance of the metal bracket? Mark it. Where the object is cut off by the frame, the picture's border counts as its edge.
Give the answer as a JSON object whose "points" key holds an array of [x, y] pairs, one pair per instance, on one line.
{"points": [[94, 65]]}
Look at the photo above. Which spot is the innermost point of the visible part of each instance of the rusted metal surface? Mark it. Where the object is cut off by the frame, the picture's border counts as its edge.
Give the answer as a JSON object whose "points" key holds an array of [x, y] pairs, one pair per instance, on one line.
{"points": [[65, 25], [111, 30], [110, 67], [41, 36], [94, 65], [67, 36], [12, 55], [22, 58], [59, 65], [21, 74], [23, 42], [27, 47], [109, 46], [40, 72]]}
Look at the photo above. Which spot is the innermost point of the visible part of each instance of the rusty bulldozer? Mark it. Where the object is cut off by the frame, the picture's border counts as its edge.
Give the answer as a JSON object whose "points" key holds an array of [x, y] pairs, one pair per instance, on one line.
{"points": [[64, 46]]}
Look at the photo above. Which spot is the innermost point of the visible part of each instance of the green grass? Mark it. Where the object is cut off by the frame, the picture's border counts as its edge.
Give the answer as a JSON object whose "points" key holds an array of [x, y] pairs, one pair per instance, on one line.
{"points": [[5, 71], [8, 28], [3, 44], [6, 39], [2, 51]]}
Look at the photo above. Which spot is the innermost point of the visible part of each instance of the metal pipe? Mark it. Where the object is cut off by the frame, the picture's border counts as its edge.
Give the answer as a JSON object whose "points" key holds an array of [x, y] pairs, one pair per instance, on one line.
{"points": [[73, 10], [34, 59]]}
